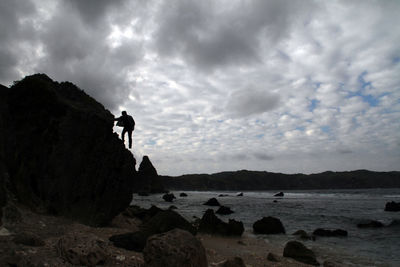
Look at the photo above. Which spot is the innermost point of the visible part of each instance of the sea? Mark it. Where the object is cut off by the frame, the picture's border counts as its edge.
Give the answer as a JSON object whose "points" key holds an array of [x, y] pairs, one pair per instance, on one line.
{"points": [[308, 210]]}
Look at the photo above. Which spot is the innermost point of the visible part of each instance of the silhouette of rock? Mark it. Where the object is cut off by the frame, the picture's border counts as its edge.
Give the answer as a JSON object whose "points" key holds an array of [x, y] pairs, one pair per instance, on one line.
{"points": [[141, 213], [212, 202], [303, 235], [392, 206], [370, 224], [299, 252], [183, 195], [240, 194], [280, 194], [148, 179], [28, 239], [224, 210], [268, 225], [329, 232], [176, 248], [166, 220], [59, 154], [211, 224], [169, 197]]}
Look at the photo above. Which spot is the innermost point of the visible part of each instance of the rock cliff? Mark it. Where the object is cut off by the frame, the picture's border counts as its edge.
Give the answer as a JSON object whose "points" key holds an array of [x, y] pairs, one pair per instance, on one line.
{"points": [[58, 152]]}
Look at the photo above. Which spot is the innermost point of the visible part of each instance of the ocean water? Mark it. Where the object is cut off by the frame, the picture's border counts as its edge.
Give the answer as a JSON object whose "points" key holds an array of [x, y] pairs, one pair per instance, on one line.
{"points": [[309, 210]]}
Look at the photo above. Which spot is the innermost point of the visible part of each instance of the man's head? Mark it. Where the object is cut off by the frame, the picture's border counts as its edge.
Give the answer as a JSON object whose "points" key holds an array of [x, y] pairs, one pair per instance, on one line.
{"points": [[123, 113]]}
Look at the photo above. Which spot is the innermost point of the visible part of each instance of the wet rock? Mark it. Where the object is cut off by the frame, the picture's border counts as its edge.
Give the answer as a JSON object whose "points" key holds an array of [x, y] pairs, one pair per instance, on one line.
{"points": [[303, 235], [280, 194], [330, 232], [370, 224], [240, 195], [299, 252], [268, 225], [176, 248], [392, 206], [234, 262], [28, 239], [82, 249], [183, 195], [211, 224], [141, 213], [212, 202], [224, 210], [131, 241], [169, 197], [223, 195]]}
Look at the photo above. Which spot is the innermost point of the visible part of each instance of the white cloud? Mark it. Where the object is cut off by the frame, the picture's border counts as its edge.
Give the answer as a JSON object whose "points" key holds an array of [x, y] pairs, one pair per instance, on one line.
{"points": [[287, 86]]}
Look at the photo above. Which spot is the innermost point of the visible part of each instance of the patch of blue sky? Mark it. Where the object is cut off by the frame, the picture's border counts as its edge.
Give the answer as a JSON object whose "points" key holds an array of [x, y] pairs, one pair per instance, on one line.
{"points": [[396, 59], [373, 101], [301, 128], [313, 105], [150, 142], [260, 136], [326, 129]]}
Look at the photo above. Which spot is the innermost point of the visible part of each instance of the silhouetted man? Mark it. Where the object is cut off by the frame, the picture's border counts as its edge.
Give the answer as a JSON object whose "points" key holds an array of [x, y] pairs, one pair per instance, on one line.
{"points": [[128, 123]]}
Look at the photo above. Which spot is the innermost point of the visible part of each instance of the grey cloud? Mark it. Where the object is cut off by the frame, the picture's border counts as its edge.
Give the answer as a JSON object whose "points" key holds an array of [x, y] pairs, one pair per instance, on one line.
{"points": [[263, 156], [250, 101], [92, 11], [209, 35]]}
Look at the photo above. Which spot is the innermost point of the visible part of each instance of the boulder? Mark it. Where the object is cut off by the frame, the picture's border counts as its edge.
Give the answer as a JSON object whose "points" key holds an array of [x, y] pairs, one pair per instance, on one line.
{"points": [[330, 232], [211, 224], [165, 221], [240, 194], [62, 156], [143, 194], [370, 224], [224, 210], [392, 206], [234, 262], [176, 248], [212, 202], [299, 252], [82, 249], [169, 197], [131, 241], [280, 194], [183, 195], [268, 225]]}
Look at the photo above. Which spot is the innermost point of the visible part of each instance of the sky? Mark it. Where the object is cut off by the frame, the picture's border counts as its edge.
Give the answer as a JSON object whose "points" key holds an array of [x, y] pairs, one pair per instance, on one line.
{"points": [[223, 85]]}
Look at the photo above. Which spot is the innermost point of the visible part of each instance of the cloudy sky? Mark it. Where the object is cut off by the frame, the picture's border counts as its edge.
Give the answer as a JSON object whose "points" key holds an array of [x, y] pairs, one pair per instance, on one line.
{"points": [[283, 86]]}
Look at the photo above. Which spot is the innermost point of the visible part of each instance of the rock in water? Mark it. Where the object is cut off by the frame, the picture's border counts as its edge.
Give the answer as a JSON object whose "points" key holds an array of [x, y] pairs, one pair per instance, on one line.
{"points": [[392, 206], [176, 248], [59, 151], [299, 252], [268, 225]]}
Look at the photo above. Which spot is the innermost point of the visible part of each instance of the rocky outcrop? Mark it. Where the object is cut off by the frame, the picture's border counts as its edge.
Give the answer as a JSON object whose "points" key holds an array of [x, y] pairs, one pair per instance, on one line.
{"points": [[212, 202], [211, 224], [299, 252], [59, 154], [330, 232], [176, 248], [268, 225], [392, 206], [280, 194], [169, 197], [223, 210], [148, 179]]}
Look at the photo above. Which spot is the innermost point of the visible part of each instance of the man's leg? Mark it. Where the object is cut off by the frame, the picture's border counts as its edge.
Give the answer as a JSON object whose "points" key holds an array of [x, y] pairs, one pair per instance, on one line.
{"points": [[130, 138], [123, 135]]}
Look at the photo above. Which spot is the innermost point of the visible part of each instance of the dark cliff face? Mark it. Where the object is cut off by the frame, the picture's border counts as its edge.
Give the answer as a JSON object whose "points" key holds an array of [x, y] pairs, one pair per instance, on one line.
{"points": [[60, 153]]}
